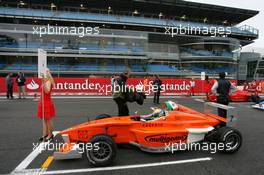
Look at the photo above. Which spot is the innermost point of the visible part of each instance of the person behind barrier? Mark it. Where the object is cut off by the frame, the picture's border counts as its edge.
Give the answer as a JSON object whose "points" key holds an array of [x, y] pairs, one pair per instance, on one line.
{"points": [[145, 84], [9, 86], [222, 89], [245, 86], [21, 80], [253, 87], [192, 86], [208, 85], [262, 86], [157, 88], [113, 82]]}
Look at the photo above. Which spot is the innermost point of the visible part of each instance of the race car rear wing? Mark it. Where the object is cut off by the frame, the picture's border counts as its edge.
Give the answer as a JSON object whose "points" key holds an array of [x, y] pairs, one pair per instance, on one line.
{"points": [[213, 109]]}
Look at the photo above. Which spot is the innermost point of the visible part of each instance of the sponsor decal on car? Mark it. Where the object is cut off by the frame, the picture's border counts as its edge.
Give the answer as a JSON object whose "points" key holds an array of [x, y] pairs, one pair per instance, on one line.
{"points": [[83, 134], [152, 124], [164, 138]]}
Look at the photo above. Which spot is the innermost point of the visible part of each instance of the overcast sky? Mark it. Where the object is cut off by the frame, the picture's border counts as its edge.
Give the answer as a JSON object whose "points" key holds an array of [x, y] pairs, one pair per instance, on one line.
{"points": [[257, 21]]}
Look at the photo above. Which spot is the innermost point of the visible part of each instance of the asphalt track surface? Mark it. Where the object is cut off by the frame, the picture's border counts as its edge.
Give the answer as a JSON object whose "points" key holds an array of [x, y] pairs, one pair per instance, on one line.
{"points": [[20, 129]]}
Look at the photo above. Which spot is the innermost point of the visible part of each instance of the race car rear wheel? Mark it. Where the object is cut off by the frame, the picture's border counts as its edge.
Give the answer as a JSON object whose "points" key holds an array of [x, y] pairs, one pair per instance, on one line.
{"points": [[231, 138], [103, 152], [102, 116]]}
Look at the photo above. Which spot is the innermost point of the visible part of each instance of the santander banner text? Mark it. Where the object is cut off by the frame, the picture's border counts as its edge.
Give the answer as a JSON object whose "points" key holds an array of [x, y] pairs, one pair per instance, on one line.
{"points": [[104, 87]]}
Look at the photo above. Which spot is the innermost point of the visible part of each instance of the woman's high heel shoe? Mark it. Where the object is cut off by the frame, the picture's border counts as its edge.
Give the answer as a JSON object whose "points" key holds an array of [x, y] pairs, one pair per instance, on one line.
{"points": [[42, 138], [49, 138]]}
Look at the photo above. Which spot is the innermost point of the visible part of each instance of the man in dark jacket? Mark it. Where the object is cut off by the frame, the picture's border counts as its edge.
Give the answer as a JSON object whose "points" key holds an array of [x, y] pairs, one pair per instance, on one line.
{"points": [[222, 88], [21, 80], [157, 88], [119, 95], [9, 86]]}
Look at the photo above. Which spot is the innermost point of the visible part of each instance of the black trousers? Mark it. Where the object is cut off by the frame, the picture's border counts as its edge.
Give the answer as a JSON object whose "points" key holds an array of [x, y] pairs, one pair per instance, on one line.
{"points": [[122, 107], [9, 93], [156, 97], [224, 101]]}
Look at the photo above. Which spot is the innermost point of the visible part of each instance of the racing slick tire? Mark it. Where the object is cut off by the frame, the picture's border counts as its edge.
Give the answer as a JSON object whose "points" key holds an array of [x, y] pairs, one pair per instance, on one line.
{"points": [[231, 138], [103, 152], [102, 116]]}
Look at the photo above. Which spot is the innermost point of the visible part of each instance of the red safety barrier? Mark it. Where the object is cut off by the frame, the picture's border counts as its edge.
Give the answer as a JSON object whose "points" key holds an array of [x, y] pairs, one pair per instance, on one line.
{"points": [[102, 86]]}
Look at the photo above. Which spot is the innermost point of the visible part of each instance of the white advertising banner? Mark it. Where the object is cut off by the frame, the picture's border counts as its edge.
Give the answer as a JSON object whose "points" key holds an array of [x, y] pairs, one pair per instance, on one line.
{"points": [[42, 63]]}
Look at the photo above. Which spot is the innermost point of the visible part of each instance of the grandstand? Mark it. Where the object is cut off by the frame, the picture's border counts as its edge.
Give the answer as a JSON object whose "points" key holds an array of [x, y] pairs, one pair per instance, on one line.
{"points": [[129, 33]]}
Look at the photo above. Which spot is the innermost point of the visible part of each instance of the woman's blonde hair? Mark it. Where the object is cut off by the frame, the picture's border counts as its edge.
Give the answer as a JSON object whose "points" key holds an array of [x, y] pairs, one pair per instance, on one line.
{"points": [[50, 78]]}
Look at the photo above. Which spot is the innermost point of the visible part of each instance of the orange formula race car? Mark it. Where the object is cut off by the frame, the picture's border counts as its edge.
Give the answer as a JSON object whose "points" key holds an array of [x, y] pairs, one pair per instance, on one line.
{"points": [[237, 96], [151, 133]]}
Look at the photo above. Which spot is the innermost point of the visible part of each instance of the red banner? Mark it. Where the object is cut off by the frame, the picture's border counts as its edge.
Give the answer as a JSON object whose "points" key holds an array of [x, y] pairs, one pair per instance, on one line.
{"points": [[102, 86]]}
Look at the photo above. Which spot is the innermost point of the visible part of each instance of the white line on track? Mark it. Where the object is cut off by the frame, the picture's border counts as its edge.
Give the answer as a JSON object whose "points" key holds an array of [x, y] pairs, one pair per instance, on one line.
{"points": [[4, 100], [24, 164], [241, 103], [27, 172], [127, 166]]}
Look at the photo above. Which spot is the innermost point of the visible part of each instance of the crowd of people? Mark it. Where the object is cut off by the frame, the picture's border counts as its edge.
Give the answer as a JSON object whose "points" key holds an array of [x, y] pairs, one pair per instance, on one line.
{"points": [[20, 80]]}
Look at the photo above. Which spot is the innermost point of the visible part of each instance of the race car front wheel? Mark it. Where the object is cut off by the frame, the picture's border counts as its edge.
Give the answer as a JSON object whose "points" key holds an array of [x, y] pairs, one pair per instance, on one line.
{"points": [[231, 138], [103, 151]]}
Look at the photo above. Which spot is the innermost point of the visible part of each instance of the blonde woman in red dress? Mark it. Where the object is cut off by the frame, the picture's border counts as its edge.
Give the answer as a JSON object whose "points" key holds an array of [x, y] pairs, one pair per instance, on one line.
{"points": [[49, 108]]}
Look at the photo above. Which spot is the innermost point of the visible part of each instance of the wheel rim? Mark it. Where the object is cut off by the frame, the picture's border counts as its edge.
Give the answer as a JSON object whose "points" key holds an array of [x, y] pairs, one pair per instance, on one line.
{"points": [[103, 153], [233, 141]]}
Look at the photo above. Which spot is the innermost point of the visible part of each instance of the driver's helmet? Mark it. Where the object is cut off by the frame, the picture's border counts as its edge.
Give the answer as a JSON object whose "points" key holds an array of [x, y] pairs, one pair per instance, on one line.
{"points": [[157, 113], [170, 105]]}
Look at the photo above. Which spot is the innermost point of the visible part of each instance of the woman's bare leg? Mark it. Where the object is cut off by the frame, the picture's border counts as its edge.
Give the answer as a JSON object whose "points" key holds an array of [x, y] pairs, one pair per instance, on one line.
{"points": [[50, 127], [45, 129]]}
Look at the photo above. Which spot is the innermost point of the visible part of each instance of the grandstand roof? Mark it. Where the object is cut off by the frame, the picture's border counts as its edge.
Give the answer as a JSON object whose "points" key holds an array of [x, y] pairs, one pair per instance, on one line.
{"points": [[200, 10], [176, 9]]}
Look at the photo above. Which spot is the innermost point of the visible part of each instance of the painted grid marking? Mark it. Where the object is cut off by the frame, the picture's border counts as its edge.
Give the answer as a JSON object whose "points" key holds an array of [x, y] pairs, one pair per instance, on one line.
{"points": [[127, 166], [25, 163]]}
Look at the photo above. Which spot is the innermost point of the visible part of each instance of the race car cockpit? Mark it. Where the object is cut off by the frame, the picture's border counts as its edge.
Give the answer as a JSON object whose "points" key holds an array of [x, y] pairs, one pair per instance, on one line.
{"points": [[158, 113]]}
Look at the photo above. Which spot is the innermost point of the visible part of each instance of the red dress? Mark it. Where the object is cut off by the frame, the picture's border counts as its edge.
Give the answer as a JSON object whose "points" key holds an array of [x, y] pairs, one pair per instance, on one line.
{"points": [[207, 87], [49, 108]]}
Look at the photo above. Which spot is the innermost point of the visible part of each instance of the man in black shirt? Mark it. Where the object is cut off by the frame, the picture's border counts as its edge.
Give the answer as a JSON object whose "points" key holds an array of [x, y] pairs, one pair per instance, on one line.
{"points": [[9, 86], [222, 88], [21, 80], [157, 88]]}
